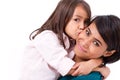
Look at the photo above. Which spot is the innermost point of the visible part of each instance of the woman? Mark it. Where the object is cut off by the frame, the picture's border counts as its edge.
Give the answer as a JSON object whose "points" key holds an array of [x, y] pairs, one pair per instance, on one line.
{"points": [[100, 40]]}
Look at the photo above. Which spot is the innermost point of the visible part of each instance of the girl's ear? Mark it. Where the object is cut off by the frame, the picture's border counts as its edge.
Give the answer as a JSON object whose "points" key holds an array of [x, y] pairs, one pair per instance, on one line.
{"points": [[109, 53]]}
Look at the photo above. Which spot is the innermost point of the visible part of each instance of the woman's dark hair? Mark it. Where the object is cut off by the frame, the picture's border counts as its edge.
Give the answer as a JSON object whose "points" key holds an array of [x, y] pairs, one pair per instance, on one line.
{"points": [[109, 28], [60, 17]]}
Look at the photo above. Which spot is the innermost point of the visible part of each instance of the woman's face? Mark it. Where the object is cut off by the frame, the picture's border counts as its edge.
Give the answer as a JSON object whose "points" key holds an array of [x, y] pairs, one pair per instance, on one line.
{"points": [[90, 44], [77, 22]]}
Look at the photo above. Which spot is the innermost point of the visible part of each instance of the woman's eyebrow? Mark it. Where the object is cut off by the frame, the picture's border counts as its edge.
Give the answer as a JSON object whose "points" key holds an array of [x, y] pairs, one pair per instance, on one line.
{"points": [[89, 30]]}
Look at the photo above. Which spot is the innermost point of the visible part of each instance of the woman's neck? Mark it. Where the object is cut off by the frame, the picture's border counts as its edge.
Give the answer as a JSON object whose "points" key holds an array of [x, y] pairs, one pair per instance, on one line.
{"points": [[77, 59]]}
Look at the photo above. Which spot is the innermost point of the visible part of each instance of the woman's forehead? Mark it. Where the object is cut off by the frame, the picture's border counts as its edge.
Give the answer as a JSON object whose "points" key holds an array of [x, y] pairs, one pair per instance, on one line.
{"points": [[95, 33]]}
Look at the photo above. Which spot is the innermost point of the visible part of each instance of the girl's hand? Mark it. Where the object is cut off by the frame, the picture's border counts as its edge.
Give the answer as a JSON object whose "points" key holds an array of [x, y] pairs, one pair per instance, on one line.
{"points": [[105, 71], [85, 67], [81, 68]]}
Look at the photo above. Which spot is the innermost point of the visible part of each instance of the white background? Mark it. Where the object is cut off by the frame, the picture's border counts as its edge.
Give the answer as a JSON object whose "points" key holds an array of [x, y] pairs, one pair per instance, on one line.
{"points": [[18, 18]]}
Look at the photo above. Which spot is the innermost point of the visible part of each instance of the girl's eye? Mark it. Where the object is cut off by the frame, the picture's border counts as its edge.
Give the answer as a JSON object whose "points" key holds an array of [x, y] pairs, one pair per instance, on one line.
{"points": [[96, 43], [77, 19], [86, 23]]}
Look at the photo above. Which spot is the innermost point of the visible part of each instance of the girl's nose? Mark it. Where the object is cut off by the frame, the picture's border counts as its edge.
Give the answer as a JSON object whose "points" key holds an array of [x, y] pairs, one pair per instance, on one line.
{"points": [[81, 26]]}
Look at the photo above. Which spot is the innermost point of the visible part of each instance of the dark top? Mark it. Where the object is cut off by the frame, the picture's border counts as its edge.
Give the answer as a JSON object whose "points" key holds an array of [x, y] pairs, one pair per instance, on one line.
{"points": [[91, 76]]}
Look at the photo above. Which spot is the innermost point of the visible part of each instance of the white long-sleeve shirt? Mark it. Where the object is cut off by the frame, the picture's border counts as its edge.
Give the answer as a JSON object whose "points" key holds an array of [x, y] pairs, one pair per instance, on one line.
{"points": [[45, 58]]}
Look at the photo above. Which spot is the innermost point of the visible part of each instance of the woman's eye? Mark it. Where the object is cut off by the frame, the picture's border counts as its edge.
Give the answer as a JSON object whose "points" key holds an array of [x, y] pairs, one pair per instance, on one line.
{"points": [[87, 32], [96, 43]]}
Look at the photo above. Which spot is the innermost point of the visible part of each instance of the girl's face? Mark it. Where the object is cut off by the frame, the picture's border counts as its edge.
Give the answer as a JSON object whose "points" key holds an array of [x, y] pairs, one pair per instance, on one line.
{"points": [[76, 23], [90, 44]]}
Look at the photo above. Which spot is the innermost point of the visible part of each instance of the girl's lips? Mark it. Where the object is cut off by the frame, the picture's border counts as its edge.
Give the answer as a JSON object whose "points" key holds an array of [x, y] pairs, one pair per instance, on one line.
{"points": [[78, 32]]}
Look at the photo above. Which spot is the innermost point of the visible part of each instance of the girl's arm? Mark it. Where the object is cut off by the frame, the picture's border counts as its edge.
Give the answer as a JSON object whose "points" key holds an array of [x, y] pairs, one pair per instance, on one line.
{"points": [[104, 70], [85, 67], [53, 53]]}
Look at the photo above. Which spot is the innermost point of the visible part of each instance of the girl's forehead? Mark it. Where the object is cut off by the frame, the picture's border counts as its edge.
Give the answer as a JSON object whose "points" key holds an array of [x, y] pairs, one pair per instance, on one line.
{"points": [[80, 11]]}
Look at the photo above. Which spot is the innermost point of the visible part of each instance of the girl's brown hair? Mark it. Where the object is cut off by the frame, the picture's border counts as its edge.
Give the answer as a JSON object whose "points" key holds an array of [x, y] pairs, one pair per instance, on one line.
{"points": [[60, 17]]}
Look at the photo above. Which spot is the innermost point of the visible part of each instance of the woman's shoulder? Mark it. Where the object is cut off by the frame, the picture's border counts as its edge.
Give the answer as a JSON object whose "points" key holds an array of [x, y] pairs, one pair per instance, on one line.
{"points": [[91, 76]]}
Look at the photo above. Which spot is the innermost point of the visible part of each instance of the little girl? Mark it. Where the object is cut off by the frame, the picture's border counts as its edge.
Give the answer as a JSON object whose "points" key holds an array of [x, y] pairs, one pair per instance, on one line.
{"points": [[48, 57]]}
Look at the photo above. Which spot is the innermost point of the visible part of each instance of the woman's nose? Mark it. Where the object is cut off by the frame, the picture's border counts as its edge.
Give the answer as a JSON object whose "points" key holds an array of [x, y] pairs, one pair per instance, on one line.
{"points": [[86, 43]]}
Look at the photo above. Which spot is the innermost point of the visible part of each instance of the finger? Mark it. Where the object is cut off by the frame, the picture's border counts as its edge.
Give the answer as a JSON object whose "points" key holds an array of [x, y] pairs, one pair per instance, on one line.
{"points": [[75, 66], [76, 72]]}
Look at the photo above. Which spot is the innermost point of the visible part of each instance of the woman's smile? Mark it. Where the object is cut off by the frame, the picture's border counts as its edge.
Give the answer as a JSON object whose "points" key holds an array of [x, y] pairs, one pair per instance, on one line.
{"points": [[81, 48]]}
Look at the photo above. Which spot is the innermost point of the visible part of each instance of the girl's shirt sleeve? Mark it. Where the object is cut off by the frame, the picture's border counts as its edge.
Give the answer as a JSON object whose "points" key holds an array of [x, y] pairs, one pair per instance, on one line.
{"points": [[52, 52]]}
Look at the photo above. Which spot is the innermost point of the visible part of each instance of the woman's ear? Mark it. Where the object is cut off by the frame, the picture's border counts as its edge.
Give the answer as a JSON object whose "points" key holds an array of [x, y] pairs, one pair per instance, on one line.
{"points": [[109, 53]]}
